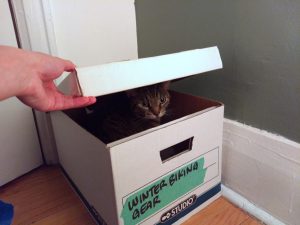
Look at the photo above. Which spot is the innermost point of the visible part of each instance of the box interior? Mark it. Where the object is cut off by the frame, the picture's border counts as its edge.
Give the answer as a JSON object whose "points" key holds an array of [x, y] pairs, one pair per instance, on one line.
{"points": [[91, 118]]}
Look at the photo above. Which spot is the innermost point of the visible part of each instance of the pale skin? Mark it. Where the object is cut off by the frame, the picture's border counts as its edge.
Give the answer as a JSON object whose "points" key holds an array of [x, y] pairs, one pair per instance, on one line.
{"points": [[30, 77]]}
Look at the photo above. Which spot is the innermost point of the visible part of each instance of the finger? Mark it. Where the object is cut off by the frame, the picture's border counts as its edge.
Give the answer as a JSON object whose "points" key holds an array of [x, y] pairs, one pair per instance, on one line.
{"points": [[60, 66], [75, 102], [81, 102], [53, 67], [68, 65]]}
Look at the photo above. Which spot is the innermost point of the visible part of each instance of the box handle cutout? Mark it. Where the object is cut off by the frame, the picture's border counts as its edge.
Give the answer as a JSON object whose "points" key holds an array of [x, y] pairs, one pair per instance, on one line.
{"points": [[175, 150]]}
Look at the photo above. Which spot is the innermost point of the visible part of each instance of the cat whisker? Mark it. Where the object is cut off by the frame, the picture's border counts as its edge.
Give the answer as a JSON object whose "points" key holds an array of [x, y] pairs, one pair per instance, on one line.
{"points": [[168, 113]]}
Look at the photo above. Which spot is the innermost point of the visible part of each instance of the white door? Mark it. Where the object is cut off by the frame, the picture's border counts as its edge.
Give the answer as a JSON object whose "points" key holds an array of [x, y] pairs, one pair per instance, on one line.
{"points": [[19, 147]]}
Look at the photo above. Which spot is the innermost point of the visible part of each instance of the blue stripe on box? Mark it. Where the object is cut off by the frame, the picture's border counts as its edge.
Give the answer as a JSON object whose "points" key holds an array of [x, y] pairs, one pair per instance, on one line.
{"points": [[200, 200], [6, 213]]}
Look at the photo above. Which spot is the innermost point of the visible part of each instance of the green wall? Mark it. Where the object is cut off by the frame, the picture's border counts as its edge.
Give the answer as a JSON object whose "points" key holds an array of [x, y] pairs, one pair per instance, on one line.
{"points": [[259, 42]]}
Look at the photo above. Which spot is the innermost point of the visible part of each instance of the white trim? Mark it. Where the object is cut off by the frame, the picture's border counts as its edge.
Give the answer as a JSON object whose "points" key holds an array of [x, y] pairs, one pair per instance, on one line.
{"points": [[22, 24], [49, 27], [36, 33], [292, 153], [34, 18], [264, 168], [249, 207], [35, 25]]}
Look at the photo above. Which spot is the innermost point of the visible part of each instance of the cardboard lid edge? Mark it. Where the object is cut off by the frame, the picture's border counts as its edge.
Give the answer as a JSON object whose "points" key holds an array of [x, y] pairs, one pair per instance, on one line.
{"points": [[120, 76], [70, 85]]}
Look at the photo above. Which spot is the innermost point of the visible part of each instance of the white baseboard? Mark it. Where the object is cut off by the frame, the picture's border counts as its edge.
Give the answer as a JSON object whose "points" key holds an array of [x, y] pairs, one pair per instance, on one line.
{"points": [[249, 207], [264, 168]]}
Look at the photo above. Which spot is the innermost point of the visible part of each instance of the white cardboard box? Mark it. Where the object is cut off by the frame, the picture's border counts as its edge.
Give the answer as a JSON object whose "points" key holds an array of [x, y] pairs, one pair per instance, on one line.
{"points": [[159, 176]]}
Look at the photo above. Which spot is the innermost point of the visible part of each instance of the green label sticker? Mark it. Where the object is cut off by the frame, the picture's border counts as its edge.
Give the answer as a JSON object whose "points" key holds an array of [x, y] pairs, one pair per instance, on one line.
{"points": [[150, 199]]}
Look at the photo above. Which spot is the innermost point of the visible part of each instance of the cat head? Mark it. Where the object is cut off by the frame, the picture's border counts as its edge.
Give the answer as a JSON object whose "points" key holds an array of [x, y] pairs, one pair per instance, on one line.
{"points": [[150, 102]]}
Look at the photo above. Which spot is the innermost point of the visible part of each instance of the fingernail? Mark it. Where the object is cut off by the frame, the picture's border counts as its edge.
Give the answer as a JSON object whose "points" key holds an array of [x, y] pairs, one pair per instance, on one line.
{"points": [[92, 99]]}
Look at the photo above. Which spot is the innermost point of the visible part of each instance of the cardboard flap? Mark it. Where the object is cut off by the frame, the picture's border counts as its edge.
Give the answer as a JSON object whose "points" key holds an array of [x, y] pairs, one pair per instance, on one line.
{"points": [[70, 85], [120, 76]]}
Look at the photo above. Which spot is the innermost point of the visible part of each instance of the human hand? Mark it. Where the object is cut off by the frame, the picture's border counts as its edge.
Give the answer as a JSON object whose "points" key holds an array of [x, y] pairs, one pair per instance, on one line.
{"points": [[30, 76]]}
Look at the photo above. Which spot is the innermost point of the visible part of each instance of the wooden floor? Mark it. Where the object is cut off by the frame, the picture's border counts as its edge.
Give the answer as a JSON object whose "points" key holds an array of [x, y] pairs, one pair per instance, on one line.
{"points": [[44, 197]]}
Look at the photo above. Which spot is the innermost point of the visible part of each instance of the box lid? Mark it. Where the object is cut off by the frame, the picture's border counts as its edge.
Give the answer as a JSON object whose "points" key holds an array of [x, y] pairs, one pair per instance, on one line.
{"points": [[120, 76]]}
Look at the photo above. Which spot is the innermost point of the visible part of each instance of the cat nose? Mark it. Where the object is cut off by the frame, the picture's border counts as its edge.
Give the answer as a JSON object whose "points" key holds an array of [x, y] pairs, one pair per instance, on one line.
{"points": [[155, 111]]}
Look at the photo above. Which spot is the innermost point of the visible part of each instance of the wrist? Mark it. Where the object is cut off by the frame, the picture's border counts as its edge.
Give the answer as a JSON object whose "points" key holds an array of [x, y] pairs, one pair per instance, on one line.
{"points": [[14, 69]]}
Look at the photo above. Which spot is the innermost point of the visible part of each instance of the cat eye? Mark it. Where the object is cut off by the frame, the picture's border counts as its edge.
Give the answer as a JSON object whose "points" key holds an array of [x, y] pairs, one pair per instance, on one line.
{"points": [[144, 104], [162, 99]]}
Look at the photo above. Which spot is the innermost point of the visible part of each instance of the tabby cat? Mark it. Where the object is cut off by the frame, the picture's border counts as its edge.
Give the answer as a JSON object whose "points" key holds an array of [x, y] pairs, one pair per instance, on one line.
{"points": [[145, 108]]}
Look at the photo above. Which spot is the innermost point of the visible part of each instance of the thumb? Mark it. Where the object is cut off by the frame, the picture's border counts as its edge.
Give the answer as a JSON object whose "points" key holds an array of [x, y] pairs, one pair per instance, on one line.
{"points": [[68, 65], [53, 67], [69, 102]]}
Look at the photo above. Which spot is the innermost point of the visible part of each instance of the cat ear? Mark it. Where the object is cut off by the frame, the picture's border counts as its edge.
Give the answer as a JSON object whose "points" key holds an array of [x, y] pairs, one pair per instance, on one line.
{"points": [[131, 93], [166, 85]]}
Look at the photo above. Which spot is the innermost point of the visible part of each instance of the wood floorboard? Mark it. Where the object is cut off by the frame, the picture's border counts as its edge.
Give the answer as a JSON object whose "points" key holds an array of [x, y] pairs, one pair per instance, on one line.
{"points": [[219, 212], [44, 197], [251, 221]]}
